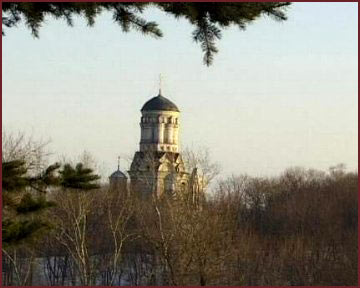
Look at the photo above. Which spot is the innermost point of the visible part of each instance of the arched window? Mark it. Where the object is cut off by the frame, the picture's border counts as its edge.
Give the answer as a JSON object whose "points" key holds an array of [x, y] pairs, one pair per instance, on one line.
{"points": [[169, 184]]}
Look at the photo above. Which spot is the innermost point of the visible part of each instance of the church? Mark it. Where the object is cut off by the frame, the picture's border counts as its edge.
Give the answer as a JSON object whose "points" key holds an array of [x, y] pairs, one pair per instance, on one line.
{"points": [[157, 168]]}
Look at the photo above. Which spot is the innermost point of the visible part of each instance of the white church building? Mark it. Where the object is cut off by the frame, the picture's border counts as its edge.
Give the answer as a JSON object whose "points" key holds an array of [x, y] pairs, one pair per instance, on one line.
{"points": [[157, 168]]}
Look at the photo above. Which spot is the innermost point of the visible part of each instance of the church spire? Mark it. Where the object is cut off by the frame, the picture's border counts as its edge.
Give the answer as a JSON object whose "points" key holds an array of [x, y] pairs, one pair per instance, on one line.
{"points": [[118, 163]]}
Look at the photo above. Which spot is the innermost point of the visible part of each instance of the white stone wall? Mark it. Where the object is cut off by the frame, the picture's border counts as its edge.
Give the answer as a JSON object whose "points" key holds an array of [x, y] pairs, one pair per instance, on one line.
{"points": [[159, 131]]}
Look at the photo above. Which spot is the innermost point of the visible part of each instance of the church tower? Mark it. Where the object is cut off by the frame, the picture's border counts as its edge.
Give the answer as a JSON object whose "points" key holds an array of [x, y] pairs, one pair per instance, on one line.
{"points": [[159, 125], [157, 167], [118, 180]]}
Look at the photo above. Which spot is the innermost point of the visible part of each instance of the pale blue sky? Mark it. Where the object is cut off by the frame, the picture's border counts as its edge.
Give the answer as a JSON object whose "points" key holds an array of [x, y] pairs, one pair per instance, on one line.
{"points": [[279, 94]]}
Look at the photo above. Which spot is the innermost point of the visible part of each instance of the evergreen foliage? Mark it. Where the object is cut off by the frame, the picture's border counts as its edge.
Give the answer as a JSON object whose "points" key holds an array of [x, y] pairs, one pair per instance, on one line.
{"points": [[78, 178], [13, 176], [24, 198], [207, 18], [29, 204], [15, 232]]}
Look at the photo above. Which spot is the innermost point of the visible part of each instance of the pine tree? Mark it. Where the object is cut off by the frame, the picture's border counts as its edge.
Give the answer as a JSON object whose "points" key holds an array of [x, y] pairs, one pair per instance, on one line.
{"points": [[78, 178], [207, 18], [24, 197]]}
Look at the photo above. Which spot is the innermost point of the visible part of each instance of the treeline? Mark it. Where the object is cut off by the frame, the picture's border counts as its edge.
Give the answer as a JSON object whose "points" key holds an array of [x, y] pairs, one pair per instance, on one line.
{"points": [[296, 229]]}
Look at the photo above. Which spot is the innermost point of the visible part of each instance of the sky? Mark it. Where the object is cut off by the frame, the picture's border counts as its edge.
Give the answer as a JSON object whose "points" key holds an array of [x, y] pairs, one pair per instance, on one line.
{"points": [[278, 95]]}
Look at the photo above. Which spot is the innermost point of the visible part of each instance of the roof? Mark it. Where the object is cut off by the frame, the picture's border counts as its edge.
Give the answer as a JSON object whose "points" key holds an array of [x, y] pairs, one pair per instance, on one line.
{"points": [[159, 103], [118, 174]]}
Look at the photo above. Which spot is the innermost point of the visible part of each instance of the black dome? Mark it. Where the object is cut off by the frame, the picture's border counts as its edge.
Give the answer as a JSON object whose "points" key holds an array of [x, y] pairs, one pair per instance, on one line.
{"points": [[159, 103], [117, 174]]}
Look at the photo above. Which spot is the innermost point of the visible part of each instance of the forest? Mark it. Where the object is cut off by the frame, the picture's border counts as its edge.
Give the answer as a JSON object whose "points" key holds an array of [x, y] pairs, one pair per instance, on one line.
{"points": [[62, 226]]}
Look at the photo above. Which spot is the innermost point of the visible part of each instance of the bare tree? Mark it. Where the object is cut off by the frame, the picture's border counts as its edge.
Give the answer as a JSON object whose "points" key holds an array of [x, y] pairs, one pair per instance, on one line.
{"points": [[71, 216], [191, 243], [120, 209], [19, 146], [19, 262], [200, 160]]}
